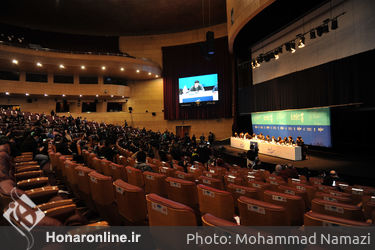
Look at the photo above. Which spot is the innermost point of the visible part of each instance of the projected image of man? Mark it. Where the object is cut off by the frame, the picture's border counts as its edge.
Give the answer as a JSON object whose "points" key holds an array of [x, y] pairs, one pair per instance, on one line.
{"points": [[197, 87]]}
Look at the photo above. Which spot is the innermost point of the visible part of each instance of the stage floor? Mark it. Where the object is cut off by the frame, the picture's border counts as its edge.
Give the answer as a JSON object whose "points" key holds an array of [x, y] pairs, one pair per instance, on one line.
{"points": [[360, 169]]}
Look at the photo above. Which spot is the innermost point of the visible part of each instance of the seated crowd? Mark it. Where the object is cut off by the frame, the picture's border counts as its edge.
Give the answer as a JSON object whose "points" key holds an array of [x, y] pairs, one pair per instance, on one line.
{"points": [[86, 173]]}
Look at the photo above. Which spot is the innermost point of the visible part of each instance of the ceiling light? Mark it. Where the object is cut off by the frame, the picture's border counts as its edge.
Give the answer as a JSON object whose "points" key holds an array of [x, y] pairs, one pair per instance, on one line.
{"points": [[122, 69], [156, 76], [39, 64], [80, 95], [138, 71], [112, 95], [103, 67], [61, 66], [149, 73], [83, 67], [15, 61], [97, 95], [27, 94], [63, 95], [7, 93], [122, 96], [45, 94], [301, 42]]}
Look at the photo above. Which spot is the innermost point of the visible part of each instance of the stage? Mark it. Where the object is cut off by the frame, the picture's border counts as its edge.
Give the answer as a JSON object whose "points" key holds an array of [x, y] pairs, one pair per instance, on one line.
{"points": [[357, 168]]}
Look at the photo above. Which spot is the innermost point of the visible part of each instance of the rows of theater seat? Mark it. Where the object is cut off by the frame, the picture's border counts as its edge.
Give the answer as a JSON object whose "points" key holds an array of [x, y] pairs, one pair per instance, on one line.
{"points": [[122, 194]]}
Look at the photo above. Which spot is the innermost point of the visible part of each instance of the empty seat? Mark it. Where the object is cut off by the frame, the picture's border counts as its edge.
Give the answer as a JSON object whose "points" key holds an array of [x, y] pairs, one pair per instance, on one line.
{"points": [[275, 182], [130, 201], [238, 191], [117, 171], [294, 205], [102, 194], [259, 213], [316, 219], [333, 198], [213, 221], [216, 202], [232, 179], [212, 182], [212, 174], [182, 191], [346, 211], [165, 212], [260, 186], [154, 183], [196, 171], [105, 167], [135, 176], [294, 191], [185, 176], [169, 172]]}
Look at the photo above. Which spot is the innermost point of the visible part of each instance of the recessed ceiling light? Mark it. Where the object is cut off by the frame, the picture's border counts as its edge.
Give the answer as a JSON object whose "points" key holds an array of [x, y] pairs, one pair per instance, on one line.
{"points": [[97, 95], [156, 76], [39, 64], [138, 71], [27, 94], [112, 95], [7, 93], [45, 94], [15, 61], [83, 67], [61, 66], [149, 73], [103, 67], [63, 95], [123, 96], [80, 95], [122, 69]]}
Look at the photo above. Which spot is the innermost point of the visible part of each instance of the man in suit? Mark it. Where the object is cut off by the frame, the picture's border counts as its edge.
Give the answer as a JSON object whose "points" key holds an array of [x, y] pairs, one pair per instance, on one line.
{"points": [[197, 87]]}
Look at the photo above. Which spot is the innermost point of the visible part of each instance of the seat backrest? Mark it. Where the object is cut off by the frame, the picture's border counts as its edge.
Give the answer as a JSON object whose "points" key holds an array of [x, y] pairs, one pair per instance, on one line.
{"points": [[294, 191], [96, 164], [135, 176], [310, 190], [212, 182], [212, 174], [213, 221], [89, 160], [130, 201], [216, 202], [101, 188], [178, 167], [316, 219], [117, 171], [333, 198], [131, 162], [232, 179], [165, 212], [345, 211], [294, 205], [185, 176], [238, 191], [259, 213], [260, 186], [154, 183], [105, 167], [195, 170], [169, 172], [81, 174], [182, 191]]}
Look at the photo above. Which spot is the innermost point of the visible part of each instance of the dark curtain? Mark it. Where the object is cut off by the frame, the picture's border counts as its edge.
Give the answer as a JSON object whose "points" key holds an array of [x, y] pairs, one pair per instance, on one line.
{"points": [[190, 60], [343, 81]]}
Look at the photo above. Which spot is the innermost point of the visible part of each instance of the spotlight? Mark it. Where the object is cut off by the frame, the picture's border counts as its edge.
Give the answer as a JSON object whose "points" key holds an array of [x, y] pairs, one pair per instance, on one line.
{"points": [[38, 64], [80, 95], [122, 69], [45, 94], [312, 34], [15, 61], [112, 96], [27, 94], [292, 46], [122, 96], [156, 76], [301, 42], [276, 56], [103, 67], [319, 31], [260, 58], [257, 64], [138, 71], [96, 95], [61, 66], [334, 24], [7, 93], [149, 73], [63, 95], [325, 26], [83, 67]]}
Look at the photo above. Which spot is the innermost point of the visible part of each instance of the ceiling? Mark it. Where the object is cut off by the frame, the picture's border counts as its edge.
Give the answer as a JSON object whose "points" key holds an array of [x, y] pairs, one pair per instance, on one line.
{"points": [[113, 17]]}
